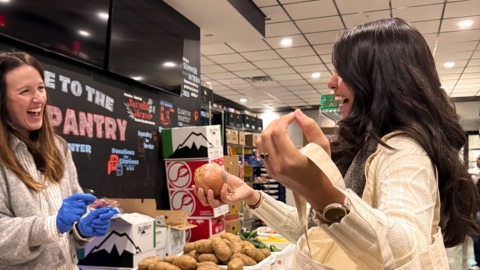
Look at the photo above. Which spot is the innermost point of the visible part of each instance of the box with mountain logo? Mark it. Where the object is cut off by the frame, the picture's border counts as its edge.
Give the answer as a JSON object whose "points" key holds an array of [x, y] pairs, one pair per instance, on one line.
{"points": [[192, 142], [130, 239]]}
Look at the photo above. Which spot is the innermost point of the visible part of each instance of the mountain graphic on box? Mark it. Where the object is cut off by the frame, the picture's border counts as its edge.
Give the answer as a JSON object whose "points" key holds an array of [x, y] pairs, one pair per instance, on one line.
{"points": [[195, 145], [112, 251]]}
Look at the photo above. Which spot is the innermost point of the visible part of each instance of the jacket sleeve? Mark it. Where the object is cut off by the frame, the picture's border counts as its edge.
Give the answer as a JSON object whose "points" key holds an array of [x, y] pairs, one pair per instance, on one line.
{"points": [[21, 239], [280, 217], [399, 222]]}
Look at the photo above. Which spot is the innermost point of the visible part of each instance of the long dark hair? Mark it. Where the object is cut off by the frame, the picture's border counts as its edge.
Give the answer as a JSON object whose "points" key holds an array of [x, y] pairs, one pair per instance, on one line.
{"points": [[392, 73], [47, 156]]}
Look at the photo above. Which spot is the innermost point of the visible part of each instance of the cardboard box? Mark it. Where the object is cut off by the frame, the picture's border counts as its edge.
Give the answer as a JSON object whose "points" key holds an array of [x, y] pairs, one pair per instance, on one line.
{"points": [[251, 138], [232, 223], [130, 239], [206, 228], [231, 165], [192, 142], [161, 242], [241, 138], [185, 200], [180, 173], [235, 208], [232, 136]]}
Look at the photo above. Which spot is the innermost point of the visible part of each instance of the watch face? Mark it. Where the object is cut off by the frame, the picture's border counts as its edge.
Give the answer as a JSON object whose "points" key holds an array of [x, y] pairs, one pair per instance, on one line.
{"points": [[334, 214]]}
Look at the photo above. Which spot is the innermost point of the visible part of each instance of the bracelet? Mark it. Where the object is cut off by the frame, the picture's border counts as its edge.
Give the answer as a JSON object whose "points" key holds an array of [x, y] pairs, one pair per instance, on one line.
{"points": [[259, 200]]}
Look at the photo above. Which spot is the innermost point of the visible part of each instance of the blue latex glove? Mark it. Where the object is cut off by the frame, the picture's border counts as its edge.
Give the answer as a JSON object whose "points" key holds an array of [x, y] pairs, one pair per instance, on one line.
{"points": [[97, 222], [72, 210]]}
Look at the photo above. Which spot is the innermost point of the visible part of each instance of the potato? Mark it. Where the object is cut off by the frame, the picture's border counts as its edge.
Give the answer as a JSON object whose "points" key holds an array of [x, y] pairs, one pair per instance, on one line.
{"points": [[254, 253], [236, 247], [194, 254], [208, 257], [247, 261], [235, 264], [221, 250], [226, 241], [163, 266], [206, 263], [209, 267], [143, 264], [247, 244], [170, 258], [266, 252], [204, 246], [188, 247], [185, 262], [230, 236]]}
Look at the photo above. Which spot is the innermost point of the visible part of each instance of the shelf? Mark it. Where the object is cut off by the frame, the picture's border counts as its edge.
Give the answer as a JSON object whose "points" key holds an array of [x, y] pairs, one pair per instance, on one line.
{"points": [[240, 146], [254, 166], [213, 109], [244, 129]]}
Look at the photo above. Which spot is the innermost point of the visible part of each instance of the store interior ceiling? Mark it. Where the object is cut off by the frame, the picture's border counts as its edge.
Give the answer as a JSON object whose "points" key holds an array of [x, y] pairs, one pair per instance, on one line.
{"points": [[289, 68]]}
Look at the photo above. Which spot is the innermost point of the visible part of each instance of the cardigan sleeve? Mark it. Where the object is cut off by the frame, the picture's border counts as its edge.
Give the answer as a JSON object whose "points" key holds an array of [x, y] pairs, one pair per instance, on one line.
{"points": [[399, 222]]}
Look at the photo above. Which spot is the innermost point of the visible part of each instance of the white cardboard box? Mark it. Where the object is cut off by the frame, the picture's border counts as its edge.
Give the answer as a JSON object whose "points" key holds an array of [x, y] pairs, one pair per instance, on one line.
{"points": [[161, 242], [131, 238]]}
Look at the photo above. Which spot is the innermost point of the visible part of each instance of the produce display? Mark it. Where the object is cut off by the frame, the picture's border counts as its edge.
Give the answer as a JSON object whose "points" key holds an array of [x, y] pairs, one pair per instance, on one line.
{"points": [[228, 250], [258, 241]]}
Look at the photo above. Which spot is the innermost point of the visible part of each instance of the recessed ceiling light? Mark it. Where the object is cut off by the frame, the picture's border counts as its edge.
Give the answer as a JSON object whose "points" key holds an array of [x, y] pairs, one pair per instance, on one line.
{"points": [[169, 64], [243, 100], [316, 75], [4, 1], [449, 64], [84, 33], [103, 15], [286, 42], [137, 78], [465, 23]]}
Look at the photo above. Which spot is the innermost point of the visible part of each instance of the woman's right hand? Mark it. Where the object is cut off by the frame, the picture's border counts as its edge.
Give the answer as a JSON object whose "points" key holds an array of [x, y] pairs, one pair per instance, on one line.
{"points": [[72, 210], [234, 192]]}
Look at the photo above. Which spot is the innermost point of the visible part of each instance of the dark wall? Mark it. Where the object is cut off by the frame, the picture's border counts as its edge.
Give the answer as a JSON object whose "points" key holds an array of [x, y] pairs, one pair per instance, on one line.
{"points": [[112, 123]]}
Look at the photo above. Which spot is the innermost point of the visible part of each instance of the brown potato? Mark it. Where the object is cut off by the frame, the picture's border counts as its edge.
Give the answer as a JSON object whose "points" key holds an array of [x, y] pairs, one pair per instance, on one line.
{"points": [[163, 266], [143, 264], [209, 267], [266, 252], [230, 236], [222, 251], [236, 247], [235, 264], [226, 241], [204, 246], [247, 244], [188, 247], [208, 257], [170, 258], [185, 262], [247, 261], [254, 253], [194, 254], [206, 263]]}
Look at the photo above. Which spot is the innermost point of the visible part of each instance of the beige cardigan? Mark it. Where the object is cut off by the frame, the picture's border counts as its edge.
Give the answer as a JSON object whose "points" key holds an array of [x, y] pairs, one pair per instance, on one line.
{"points": [[401, 200]]}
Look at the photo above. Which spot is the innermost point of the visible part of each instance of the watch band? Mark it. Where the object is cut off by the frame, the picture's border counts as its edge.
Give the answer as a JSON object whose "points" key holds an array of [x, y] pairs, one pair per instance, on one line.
{"points": [[335, 212]]}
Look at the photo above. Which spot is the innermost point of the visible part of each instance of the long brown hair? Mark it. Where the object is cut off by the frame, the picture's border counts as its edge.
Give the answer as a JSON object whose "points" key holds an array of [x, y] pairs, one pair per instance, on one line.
{"points": [[42, 143], [389, 66]]}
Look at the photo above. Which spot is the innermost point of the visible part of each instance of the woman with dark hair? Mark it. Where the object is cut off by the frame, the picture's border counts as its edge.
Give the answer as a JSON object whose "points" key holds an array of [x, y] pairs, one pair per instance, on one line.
{"points": [[43, 214], [394, 193]]}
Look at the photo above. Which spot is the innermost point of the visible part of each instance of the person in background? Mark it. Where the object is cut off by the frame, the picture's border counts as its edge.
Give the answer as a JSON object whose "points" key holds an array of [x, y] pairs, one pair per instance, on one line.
{"points": [[43, 214], [476, 240], [392, 192]]}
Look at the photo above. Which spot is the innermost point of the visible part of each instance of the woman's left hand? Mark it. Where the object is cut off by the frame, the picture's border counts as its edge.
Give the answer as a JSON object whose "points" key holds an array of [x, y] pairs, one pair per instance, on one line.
{"points": [[295, 171]]}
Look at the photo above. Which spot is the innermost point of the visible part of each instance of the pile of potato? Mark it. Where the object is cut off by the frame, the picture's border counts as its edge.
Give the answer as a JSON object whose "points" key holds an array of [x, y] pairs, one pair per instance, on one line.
{"points": [[227, 249]]}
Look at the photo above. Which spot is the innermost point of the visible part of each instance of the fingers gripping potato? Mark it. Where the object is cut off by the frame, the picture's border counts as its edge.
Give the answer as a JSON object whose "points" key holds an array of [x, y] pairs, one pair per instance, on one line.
{"points": [[163, 266], [208, 257], [188, 247], [204, 246], [185, 262], [235, 264], [247, 261], [221, 250], [253, 253]]}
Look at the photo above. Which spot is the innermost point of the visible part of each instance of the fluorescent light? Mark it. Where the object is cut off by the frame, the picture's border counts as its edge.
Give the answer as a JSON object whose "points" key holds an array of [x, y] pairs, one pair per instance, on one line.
{"points": [[137, 78], [449, 64], [84, 33], [4, 1], [465, 23], [103, 15], [316, 75], [286, 42], [243, 100], [169, 64]]}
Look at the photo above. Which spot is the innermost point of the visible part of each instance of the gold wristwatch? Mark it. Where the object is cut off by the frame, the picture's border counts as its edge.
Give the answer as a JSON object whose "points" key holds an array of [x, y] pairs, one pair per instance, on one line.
{"points": [[335, 212]]}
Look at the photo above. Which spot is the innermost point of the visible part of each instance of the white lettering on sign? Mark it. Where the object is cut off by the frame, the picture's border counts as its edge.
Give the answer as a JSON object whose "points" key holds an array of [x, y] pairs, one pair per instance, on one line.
{"points": [[80, 148], [49, 79]]}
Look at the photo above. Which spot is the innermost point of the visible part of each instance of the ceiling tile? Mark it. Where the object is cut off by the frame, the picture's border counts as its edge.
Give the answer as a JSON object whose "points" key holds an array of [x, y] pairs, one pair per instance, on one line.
{"points": [[279, 71], [287, 77], [447, 71], [467, 87], [311, 68], [430, 39], [469, 81], [301, 61], [205, 62], [296, 52], [223, 75], [261, 55], [311, 9], [214, 49], [249, 46], [227, 93], [452, 57], [421, 13], [456, 47], [271, 63], [266, 85], [427, 27], [239, 87], [323, 79], [323, 49], [467, 35], [472, 70], [297, 41], [227, 58], [460, 63], [265, 3], [249, 73], [290, 1], [462, 9], [449, 25], [361, 18], [238, 67], [213, 69], [204, 77], [470, 76], [320, 24], [411, 3], [220, 88], [327, 58], [307, 96], [355, 6], [330, 66], [476, 54], [275, 14], [229, 82], [294, 83], [322, 38], [474, 63], [300, 88], [281, 29]]}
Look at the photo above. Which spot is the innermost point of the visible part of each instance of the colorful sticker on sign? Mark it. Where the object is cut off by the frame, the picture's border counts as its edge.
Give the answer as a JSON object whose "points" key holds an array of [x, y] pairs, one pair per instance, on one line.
{"points": [[166, 109], [146, 141], [120, 161], [140, 110]]}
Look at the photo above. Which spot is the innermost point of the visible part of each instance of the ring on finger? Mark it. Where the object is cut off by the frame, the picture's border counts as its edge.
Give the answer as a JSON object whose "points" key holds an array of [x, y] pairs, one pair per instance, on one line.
{"points": [[263, 156]]}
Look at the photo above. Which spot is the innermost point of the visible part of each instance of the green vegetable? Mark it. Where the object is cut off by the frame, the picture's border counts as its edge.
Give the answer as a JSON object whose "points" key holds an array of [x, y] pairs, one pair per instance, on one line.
{"points": [[273, 248], [246, 234], [257, 245], [252, 234], [262, 246], [241, 236]]}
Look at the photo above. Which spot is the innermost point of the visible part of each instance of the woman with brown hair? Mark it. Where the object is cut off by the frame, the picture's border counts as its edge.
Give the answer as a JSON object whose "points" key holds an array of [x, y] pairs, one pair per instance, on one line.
{"points": [[392, 192], [42, 210]]}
